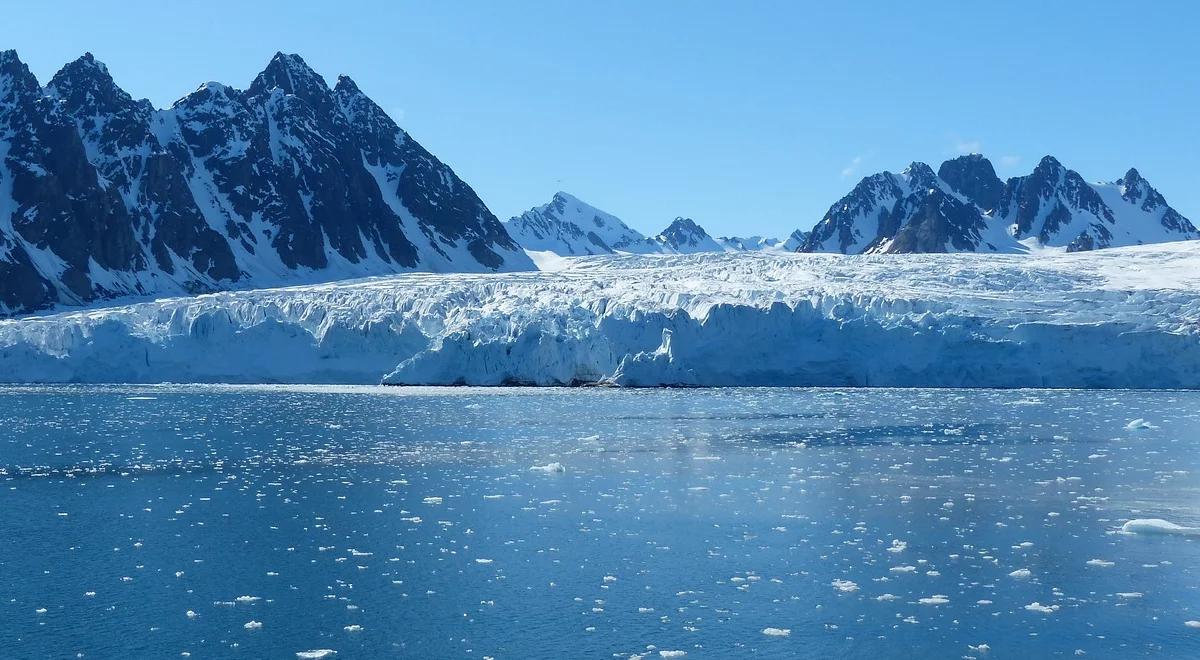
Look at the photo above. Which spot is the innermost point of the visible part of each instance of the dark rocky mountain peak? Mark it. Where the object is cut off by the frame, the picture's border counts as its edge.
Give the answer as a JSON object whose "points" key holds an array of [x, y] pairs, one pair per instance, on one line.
{"points": [[292, 75], [973, 177]]}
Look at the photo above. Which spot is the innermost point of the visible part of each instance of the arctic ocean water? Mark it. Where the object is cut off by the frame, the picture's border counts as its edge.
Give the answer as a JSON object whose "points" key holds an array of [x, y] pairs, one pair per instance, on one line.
{"points": [[256, 522]]}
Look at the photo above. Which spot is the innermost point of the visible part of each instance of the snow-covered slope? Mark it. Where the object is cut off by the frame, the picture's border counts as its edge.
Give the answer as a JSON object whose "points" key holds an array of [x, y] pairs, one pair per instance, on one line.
{"points": [[103, 196], [568, 226], [1126, 317]]}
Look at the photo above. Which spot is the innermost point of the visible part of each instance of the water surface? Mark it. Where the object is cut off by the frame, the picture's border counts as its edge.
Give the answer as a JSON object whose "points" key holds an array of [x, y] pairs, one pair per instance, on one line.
{"points": [[160, 521]]}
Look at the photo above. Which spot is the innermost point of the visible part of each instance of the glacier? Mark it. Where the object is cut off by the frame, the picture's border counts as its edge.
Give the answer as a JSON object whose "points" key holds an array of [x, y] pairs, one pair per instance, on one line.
{"points": [[1116, 318]]}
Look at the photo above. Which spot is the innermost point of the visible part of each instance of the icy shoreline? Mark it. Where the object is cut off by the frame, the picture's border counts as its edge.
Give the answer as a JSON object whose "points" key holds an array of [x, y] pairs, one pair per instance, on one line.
{"points": [[1118, 318]]}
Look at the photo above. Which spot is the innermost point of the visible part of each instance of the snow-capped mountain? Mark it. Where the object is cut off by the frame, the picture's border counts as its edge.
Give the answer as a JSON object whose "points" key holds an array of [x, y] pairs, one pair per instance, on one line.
{"points": [[1055, 206], [102, 195], [684, 236], [568, 226], [966, 208], [762, 243]]}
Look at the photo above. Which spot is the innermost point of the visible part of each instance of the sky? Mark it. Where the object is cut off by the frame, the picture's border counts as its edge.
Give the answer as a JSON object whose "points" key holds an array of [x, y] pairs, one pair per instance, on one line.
{"points": [[750, 117]]}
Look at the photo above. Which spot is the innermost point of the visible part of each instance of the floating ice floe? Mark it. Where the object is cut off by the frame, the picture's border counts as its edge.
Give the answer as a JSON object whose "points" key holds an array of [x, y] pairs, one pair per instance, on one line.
{"points": [[1157, 526], [1020, 574], [253, 625], [936, 599], [1139, 424], [316, 654], [777, 632], [844, 586], [549, 468], [1101, 563], [1044, 609]]}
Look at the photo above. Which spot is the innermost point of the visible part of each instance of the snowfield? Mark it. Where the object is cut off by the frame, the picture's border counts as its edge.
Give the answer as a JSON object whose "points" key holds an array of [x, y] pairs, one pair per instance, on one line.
{"points": [[1123, 317]]}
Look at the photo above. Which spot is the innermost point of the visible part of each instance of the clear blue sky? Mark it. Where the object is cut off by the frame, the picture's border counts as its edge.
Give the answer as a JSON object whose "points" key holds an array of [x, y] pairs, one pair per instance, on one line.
{"points": [[751, 117]]}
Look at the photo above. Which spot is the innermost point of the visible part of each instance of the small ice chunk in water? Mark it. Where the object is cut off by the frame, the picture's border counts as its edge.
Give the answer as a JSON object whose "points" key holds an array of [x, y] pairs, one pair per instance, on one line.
{"points": [[1102, 563], [1020, 573], [776, 632], [353, 628], [253, 625], [1192, 624], [1157, 526], [1044, 609], [1129, 594], [936, 599], [1139, 424], [672, 654], [549, 468], [316, 654], [979, 648], [248, 599], [844, 586], [898, 546], [191, 614]]}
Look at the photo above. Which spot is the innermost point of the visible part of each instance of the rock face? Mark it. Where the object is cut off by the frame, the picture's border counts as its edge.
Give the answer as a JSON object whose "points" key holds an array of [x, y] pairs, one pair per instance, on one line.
{"points": [[288, 181], [966, 208]]}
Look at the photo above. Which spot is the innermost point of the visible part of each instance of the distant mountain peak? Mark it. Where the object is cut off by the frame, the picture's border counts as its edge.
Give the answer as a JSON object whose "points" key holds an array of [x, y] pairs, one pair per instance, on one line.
{"points": [[569, 226]]}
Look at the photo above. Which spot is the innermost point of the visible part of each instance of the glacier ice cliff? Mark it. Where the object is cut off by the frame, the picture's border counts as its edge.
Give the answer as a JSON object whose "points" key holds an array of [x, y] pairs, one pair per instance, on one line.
{"points": [[1125, 317]]}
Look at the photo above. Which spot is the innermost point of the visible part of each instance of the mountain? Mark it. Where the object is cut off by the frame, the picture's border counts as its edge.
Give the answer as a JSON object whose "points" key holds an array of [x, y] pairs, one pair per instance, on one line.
{"points": [[965, 207], [288, 181], [568, 226], [762, 243], [684, 236]]}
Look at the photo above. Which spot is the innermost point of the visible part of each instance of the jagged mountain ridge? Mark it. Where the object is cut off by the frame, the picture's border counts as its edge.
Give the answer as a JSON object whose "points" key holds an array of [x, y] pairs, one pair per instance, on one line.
{"points": [[965, 207], [568, 226], [288, 181]]}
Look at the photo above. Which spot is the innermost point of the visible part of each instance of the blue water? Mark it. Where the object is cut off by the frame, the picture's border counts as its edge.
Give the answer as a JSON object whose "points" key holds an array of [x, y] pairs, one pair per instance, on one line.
{"points": [[865, 523]]}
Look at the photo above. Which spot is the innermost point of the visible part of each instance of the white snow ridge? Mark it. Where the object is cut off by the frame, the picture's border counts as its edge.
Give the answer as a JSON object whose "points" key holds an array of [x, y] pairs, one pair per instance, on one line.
{"points": [[1122, 317]]}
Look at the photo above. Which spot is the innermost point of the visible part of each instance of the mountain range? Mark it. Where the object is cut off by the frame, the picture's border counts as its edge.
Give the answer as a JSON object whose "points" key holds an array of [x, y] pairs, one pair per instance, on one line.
{"points": [[287, 181], [568, 226], [292, 181], [963, 207]]}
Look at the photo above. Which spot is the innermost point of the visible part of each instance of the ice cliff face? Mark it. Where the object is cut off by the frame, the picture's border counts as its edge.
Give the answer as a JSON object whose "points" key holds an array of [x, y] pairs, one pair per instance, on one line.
{"points": [[965, 207], [1128, 317], [102, 195]]}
